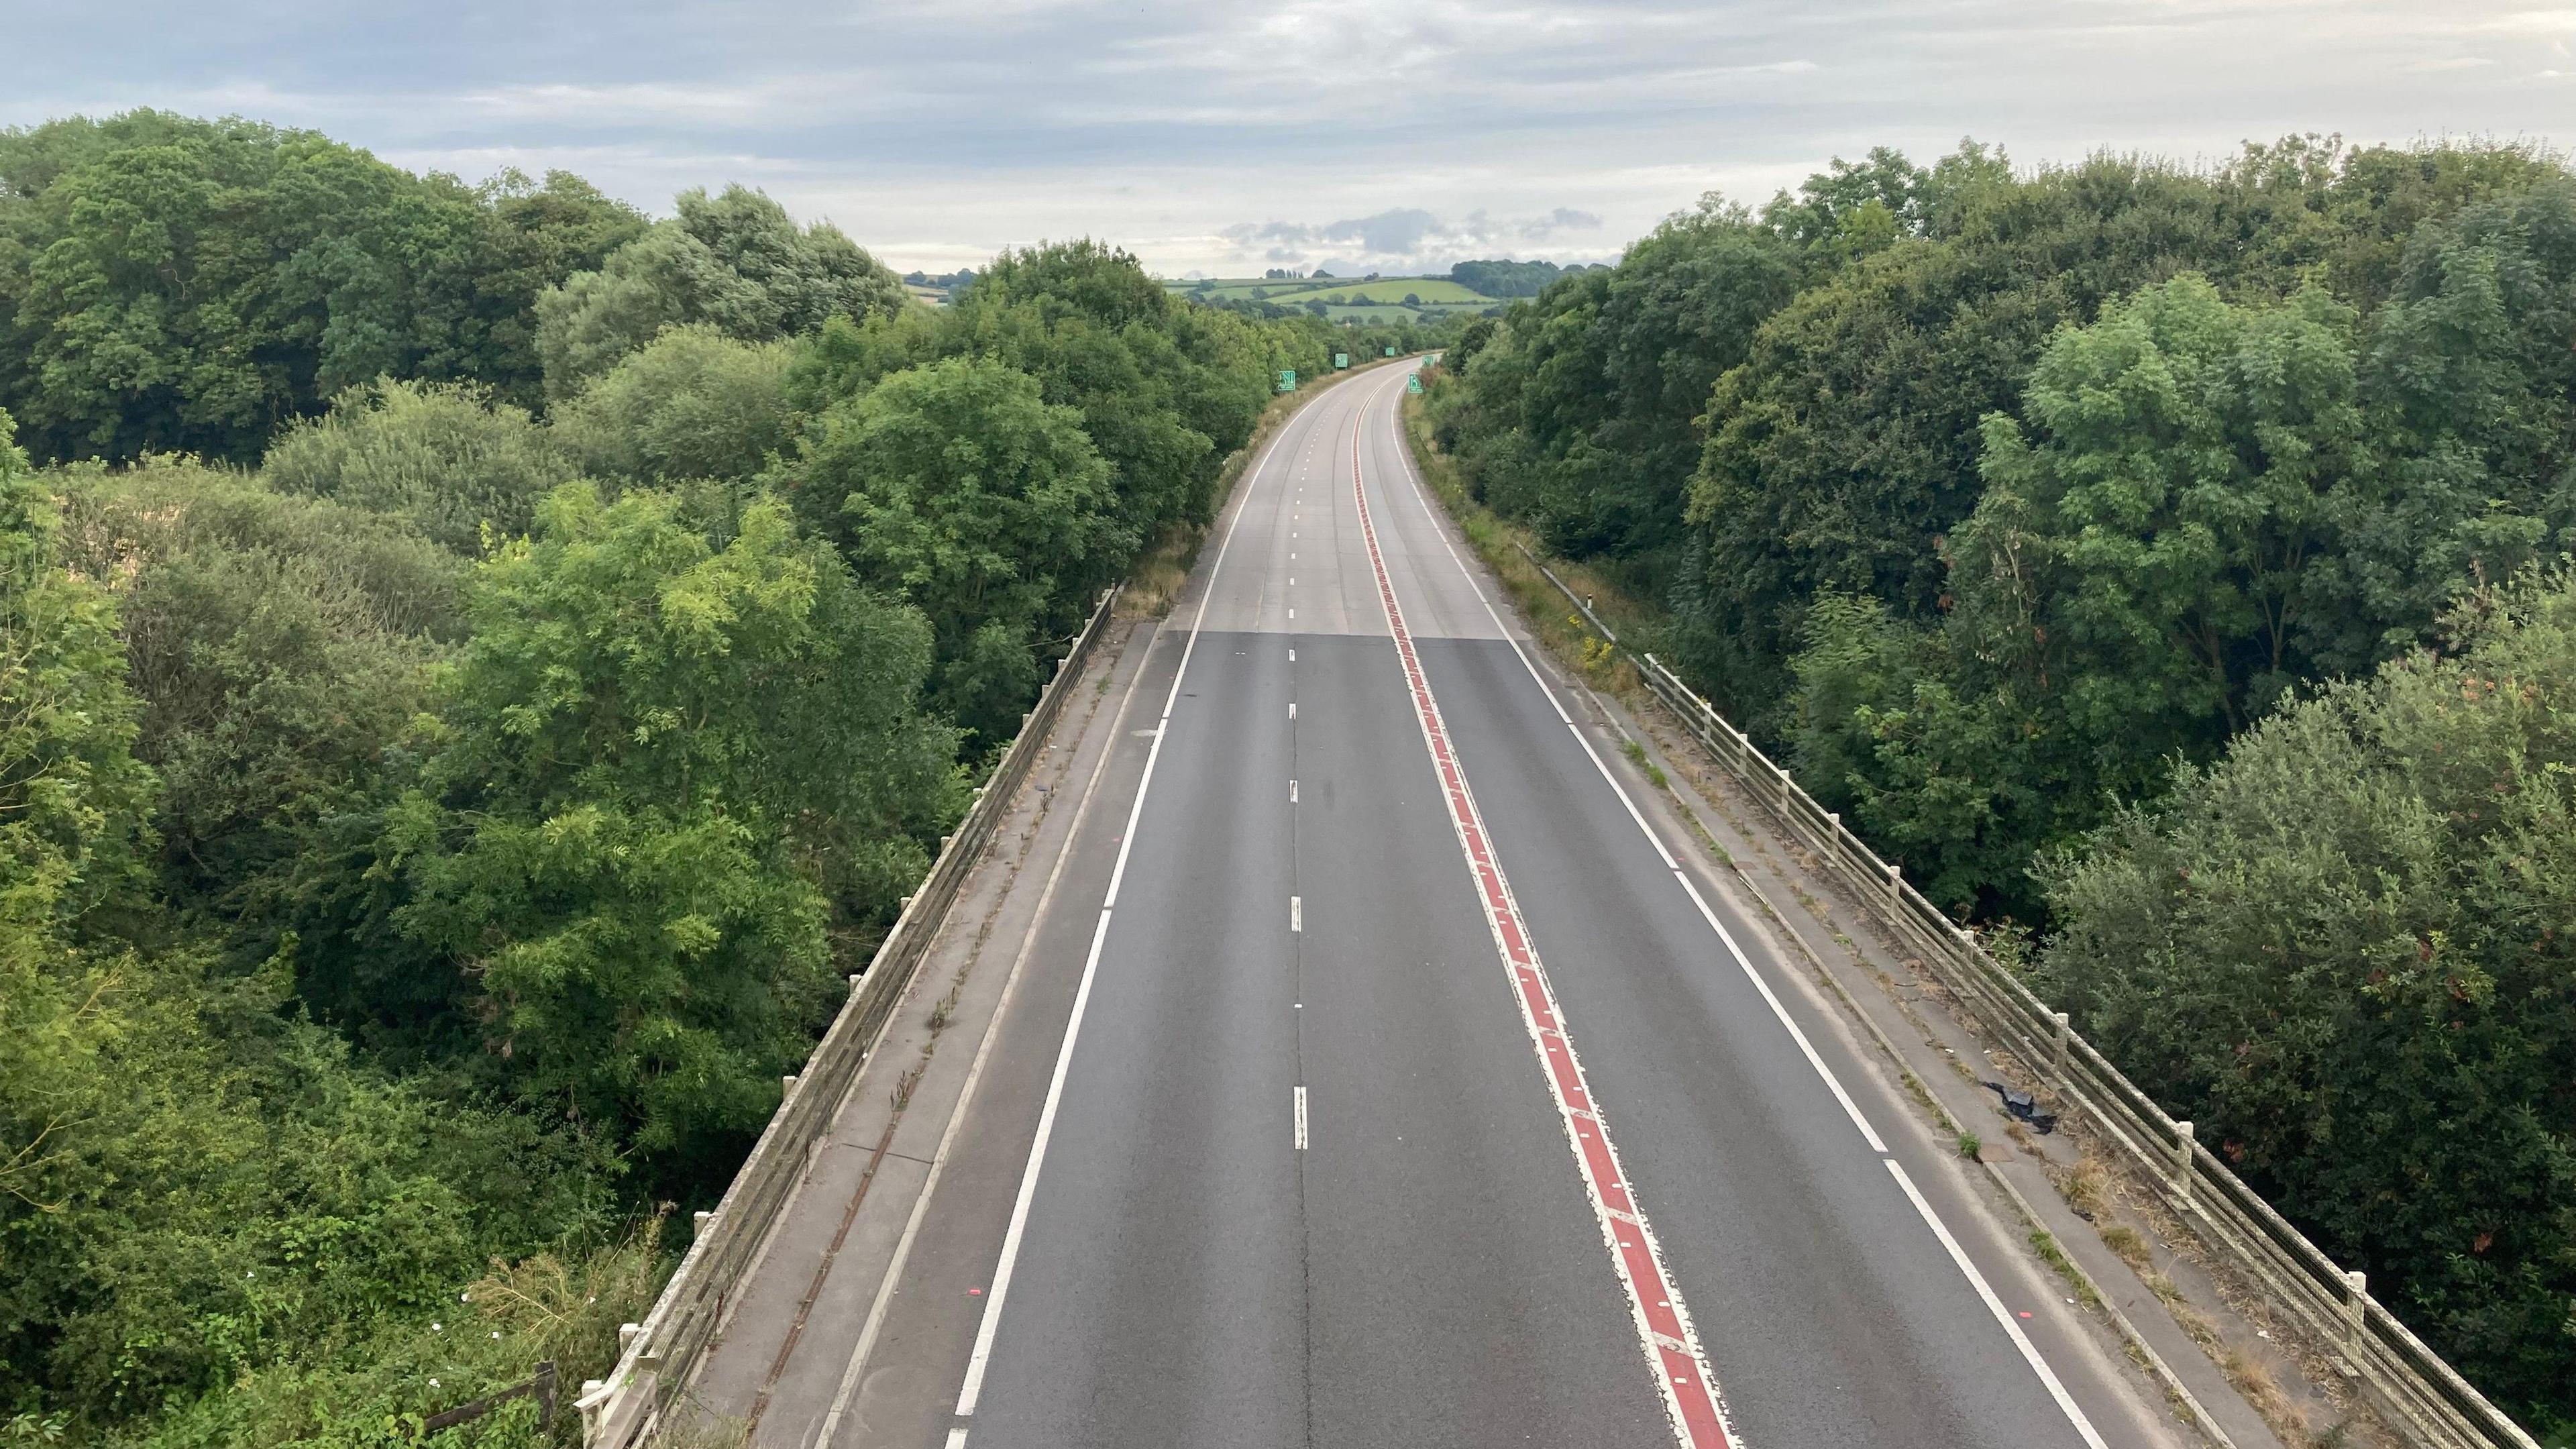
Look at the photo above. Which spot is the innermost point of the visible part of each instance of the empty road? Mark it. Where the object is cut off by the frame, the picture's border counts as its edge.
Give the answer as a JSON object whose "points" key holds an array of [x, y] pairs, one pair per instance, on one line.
{"points": [[1393, 1071]]}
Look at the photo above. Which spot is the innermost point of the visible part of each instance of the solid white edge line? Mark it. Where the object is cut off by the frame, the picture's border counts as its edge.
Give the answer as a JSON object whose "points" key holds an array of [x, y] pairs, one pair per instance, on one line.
{"points": [[1995, 1305], [884, 1300], [2029, 1351], [972, 1389]]}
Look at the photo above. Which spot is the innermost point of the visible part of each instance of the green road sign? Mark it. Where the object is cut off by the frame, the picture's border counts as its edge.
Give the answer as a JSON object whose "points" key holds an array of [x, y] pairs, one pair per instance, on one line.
{"points": [[1390, 349], [1413, 382], [1287, 379], [1341, 359]]}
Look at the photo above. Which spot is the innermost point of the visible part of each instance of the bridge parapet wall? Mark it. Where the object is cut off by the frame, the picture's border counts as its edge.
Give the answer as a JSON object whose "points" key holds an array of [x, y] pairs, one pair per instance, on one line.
{"points": [[659, 1354]]}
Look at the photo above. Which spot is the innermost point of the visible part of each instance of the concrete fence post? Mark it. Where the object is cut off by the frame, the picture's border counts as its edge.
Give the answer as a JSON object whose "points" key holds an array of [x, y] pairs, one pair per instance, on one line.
{"points": [[2356, 1300], [2182, 1162], [627, 1332], [787, 1085], [2065, 1030], [1896, 883]]}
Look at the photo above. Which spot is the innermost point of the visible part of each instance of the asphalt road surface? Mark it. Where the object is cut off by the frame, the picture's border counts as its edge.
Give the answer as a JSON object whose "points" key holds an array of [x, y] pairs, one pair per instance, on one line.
{"points": [[1398, 1074]]}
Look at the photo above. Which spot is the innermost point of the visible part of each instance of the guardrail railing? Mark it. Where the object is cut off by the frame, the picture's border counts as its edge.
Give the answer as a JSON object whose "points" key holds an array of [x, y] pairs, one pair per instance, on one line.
{"points": [[657, 1356], [2424, 1399]]}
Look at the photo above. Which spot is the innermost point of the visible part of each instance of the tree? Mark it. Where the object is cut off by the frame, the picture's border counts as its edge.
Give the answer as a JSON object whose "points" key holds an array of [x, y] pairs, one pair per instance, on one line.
{"points": [[671, 768], [2140, 578], [735, 262], [2468, 372], [959, 484], [179, 285], [72, 797], [691, 404], [444, 458], [1584, 423], [281, 650], [2343, 950], [1504, 278], [2148, 556]]}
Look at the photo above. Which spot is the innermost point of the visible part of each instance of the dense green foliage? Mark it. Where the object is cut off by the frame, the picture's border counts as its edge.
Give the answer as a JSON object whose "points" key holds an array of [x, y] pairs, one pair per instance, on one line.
{"points": [[735, 262], [439, 456], [667, 768], [182, 285], [1508, 278], [1989, 499], [479, 675], [2347, 944]]}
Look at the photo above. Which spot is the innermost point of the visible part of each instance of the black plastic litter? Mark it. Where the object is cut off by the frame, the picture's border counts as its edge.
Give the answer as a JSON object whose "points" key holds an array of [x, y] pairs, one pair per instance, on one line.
{"points": [[2024, 1106]]}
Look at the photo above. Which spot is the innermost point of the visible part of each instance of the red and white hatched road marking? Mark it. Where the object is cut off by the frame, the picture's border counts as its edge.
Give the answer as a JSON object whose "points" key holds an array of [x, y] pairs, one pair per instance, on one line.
{"points": [[1691, 1394]]}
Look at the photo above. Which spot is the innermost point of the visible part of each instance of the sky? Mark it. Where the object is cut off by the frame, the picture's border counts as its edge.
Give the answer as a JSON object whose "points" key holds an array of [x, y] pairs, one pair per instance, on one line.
{"points": [[1224, 139]]}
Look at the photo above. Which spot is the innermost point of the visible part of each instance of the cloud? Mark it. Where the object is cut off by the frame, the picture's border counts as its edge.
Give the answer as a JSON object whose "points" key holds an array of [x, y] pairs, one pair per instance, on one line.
{"points": [[1396, 136], [1401, 237]]}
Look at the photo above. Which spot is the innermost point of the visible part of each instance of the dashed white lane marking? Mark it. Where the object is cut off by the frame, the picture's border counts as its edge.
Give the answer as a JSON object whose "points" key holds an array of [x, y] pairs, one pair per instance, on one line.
{"points": [[1297, 913], [1292, 709], [1690, 1393], [1292, 792], [1301, 1119], [2048, 1378], [972, 1389]]}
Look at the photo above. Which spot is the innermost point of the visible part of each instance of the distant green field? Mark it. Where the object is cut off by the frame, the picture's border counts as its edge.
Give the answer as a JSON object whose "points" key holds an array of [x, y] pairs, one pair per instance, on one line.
{"points": [[1439, 292]]}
